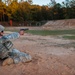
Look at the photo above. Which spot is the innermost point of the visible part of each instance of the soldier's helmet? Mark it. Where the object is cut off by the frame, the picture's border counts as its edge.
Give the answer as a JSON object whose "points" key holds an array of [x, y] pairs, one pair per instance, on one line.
{"points": [[2, 28]]}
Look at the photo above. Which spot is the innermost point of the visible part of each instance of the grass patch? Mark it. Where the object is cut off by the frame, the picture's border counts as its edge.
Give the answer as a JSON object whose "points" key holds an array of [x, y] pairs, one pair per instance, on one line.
{"points": [[69, 37], [51, 32], [14, 30]]}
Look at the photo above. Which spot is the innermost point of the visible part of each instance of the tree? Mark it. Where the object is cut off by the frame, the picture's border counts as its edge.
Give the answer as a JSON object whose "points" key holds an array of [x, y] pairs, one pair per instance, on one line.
{"points": [[72, 3], [58, 11], [2, 11], [8, 2], [22, 13], [67, 9], [12, 8], [24, 10], [52, 3], [72, 8], [30, 1], [36, 12], [44, 12], [0, 0]]}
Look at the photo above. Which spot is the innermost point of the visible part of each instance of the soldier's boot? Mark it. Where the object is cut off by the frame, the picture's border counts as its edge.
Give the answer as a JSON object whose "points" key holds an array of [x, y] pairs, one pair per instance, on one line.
{"points": [[8, 61]]}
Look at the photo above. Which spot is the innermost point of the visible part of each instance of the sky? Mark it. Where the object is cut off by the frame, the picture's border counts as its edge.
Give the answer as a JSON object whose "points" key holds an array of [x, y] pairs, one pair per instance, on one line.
{"points": [[45, 2]]}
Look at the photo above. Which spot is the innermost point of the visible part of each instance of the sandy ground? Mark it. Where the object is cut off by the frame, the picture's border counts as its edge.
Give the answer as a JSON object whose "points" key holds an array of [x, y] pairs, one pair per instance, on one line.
{"points": [[50, 56]]}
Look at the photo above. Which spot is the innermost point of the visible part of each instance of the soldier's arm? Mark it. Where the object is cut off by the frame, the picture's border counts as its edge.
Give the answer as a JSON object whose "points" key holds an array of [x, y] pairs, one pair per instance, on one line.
{"points": [[14, 35]]}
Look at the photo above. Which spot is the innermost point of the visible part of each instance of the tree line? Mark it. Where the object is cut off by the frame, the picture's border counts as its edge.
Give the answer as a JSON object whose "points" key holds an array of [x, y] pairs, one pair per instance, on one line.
{"points": [[26, 11]]}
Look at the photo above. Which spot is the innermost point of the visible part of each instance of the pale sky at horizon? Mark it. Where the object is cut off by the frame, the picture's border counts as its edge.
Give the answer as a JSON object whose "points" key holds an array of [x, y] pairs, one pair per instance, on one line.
{"points": [[45, 2]]}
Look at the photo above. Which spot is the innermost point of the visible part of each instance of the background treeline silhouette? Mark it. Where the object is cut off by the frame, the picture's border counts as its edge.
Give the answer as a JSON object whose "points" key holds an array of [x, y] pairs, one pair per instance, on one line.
{"points": [[24, 11]]}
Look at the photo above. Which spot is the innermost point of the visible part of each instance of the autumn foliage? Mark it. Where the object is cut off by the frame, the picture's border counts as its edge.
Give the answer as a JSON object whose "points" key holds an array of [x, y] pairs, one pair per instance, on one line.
{"points": [[24, 11]]}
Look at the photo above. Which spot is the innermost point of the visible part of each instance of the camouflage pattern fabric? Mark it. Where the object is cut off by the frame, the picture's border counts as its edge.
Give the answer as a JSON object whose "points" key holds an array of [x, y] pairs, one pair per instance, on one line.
{"points": [[6, 49], [6, 44], [18, 56]]}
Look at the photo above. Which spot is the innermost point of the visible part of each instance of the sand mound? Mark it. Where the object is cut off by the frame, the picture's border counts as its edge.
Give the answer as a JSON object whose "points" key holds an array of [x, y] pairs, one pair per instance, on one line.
{"points": [[60, 24]]}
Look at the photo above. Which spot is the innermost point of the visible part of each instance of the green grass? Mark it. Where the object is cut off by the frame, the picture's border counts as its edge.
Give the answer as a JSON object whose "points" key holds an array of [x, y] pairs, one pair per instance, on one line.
{"points": [[54, 32], [51, 32], [14, 30], [69, 37]]}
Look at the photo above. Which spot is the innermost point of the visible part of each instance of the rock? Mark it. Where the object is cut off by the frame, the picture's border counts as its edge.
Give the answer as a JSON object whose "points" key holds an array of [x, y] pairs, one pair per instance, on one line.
{"points": [[8, 61]]}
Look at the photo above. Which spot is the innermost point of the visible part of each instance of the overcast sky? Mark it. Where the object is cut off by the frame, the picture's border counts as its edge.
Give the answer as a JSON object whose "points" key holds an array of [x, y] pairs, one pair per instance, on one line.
{"points": [[45, 2]]}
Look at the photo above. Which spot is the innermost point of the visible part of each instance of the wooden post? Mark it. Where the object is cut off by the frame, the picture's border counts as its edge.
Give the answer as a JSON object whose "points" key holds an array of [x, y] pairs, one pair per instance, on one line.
{"points": [[10, 22]]}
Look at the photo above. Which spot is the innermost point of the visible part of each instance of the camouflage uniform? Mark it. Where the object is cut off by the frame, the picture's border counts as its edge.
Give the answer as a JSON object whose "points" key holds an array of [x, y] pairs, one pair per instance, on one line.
{"points": [[7, 50], [6, 45]]}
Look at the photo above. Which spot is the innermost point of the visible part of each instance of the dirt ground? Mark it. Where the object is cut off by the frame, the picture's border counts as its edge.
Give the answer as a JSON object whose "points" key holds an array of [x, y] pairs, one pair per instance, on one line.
{"points": [[50, 56]]}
